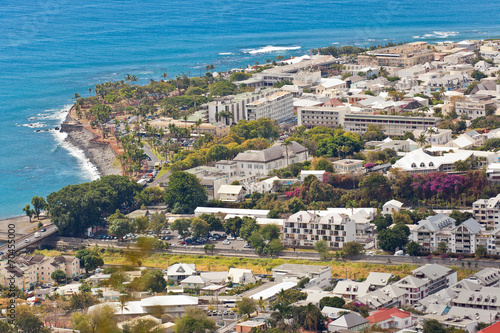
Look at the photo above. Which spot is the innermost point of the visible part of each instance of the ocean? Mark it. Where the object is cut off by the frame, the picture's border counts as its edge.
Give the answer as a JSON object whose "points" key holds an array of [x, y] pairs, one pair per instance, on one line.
{"points": [[51, 49]]}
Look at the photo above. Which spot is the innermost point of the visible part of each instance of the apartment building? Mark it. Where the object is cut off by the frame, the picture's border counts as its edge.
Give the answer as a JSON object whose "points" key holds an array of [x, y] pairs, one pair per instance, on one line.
{"points": [[30, 270], [236, 104], [415, 288], [406, 55], [464, 57], [321, 116], [318, 275], [488, 298], [306, 228], [388, 296], [465, 237], [472, 109], [439, 277], [278, 106], [487, 211], [432, 231], [392, 125]]}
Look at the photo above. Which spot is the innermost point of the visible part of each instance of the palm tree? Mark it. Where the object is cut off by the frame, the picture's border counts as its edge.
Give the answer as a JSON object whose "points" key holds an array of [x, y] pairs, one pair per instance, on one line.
{"points": [[164, 75], [198, 123], [421, 140], [351, 204], [286, 144], [226, 115], [76, 96], [431, 131], [262, 304]]}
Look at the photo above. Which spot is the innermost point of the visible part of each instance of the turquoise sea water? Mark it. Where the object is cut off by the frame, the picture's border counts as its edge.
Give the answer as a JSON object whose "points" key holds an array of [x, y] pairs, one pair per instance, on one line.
{"points": [[51, 49]]}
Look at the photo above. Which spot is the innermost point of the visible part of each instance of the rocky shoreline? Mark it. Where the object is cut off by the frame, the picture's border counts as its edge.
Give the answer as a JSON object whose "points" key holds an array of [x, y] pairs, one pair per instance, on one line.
{"points": [[101, 155]]}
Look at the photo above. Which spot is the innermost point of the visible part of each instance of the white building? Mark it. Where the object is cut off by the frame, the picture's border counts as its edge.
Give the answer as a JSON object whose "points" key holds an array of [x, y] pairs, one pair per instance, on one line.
{"points": [[487, 211], [240, 276], [321, 116], [419, 161], [320, 174], [432, 231], [391, 206], [179, 272], [319, 275], [278, 106], [231, 193], [439, 138], [306, 228]]}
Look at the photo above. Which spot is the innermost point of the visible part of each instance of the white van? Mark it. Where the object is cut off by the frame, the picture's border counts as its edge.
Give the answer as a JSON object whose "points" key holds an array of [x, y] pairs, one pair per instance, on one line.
{"points": [[37, 235]]}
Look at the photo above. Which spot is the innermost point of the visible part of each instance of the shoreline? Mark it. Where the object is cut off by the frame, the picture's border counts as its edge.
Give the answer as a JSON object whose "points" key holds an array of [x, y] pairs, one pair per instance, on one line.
{"points": [[100, 154]]}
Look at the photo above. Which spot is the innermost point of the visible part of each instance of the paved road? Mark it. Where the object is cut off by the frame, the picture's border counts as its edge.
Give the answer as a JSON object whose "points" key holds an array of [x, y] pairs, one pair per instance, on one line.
{"points": [[151, 164], [20, 240]]}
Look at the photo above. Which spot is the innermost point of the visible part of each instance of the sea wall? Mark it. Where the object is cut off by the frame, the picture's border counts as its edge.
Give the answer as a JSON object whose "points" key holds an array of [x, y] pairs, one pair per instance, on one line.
{"points": [[99, 154]]}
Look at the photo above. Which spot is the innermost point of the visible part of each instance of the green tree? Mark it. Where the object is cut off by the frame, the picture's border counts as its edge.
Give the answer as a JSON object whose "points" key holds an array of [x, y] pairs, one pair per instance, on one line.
{"points": [[233, 225], [222, 88], [140, 224], [296, 205], [461, 166], [219, 152], [27, 321], [442, 247], [248, 226], [199, 227], [382, 221], [154, 281], [433, 326], [335, 302], [413, 248], [322, 248], [119, 227], [389, 239], [142, 326], [480, 251], [185, 190], [158, 222], [29, 212], [58, 276], [99, 320], [182, 227], [39, 204], [194, 321], [246, 306], [421, 140], [213, 221], [82, 300], [352, 248]]}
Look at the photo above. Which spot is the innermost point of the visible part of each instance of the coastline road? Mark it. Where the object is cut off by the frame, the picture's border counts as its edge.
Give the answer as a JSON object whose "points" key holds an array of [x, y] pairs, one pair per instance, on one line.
{"points": [[21, 242]]}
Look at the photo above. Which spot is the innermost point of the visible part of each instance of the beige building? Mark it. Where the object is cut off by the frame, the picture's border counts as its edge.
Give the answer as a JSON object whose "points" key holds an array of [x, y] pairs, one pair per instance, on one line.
{"points": [[391, 125], [216, 129], [278, 106], [348, 166], [472, 109], [406, 55], [321, 116]]}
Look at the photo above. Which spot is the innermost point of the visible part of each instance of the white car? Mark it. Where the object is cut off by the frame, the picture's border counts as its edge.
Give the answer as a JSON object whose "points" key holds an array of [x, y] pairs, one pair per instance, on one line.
{"points": [[230, 238], [226, 242], [239, 239], [27, 240]]}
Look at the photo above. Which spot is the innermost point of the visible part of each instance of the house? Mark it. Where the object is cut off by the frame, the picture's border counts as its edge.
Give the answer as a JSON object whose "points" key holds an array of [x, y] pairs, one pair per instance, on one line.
{"points": [[348, 166], [379, 280], [318, 275], [194, 282], [421, 161], [433, 230], [495, 328], [270, 293], [333, 313], [232, 193], [392, 318], [240, 276], [350, 290], [249, 325], [349, 321], [391, 206], [388, 296], [439, 277], [179, 272], [439, 137], [320, 174]]}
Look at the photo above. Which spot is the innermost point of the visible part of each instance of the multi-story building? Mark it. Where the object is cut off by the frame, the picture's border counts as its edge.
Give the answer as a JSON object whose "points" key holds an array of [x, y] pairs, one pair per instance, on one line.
{"points": [[438, 137], [348, 166], [392, 125], [465, 237], [236, 104], [487, 211], [306, 228], [439, 277], [321, 116], [261, 162], [488, 298], [416, 288], [472, 109], [406, 55], [432, 231], [464, 57], [278, 106]]}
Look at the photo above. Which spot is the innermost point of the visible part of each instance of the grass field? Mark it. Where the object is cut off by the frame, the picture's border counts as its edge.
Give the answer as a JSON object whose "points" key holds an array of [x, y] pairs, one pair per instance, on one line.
{"points": [[340, 269]]}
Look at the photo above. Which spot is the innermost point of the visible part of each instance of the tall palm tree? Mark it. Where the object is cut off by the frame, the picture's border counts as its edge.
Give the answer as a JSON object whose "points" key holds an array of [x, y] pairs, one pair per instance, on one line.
{"points": [[421, 140], [351, 204], [198, 123], [431, 131], [286, 144], [262, 304]]}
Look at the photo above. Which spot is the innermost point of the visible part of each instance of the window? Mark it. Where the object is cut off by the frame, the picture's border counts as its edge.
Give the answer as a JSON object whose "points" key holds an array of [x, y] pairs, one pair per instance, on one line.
{"points": [[422, 165], [431, 164], [413, 165]]}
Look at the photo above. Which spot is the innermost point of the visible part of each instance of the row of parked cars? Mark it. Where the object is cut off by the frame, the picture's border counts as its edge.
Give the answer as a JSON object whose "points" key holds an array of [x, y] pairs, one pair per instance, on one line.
{"points": [[219, 313]]}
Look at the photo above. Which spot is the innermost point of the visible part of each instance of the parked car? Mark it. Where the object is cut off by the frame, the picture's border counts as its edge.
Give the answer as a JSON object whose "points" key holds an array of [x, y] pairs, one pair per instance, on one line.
{"points": [[43, 230], [247, 246], [239, 239], [230, 238], [226, 242]]}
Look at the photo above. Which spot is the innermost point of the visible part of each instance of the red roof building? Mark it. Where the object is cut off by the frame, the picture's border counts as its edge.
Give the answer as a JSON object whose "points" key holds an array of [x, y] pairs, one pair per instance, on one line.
{"points": [[495, 328], [392, 318]]}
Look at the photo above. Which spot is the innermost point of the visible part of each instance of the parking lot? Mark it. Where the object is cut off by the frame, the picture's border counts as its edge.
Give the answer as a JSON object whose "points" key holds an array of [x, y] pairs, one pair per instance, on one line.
{"points": [[172, 237]]}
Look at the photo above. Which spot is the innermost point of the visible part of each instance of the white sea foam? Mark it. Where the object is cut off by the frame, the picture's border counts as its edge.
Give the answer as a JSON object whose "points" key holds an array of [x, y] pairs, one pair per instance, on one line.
{"points": [[89, 170], [34, 125], [438, 34], [270, 48], [336, 43], [225, 53]]}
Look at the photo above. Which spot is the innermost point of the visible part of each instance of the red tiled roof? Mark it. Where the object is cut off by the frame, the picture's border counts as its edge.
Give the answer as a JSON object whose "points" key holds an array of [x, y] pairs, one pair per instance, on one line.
{"points": [[385, 314], [333, 102], [495, 328]]}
